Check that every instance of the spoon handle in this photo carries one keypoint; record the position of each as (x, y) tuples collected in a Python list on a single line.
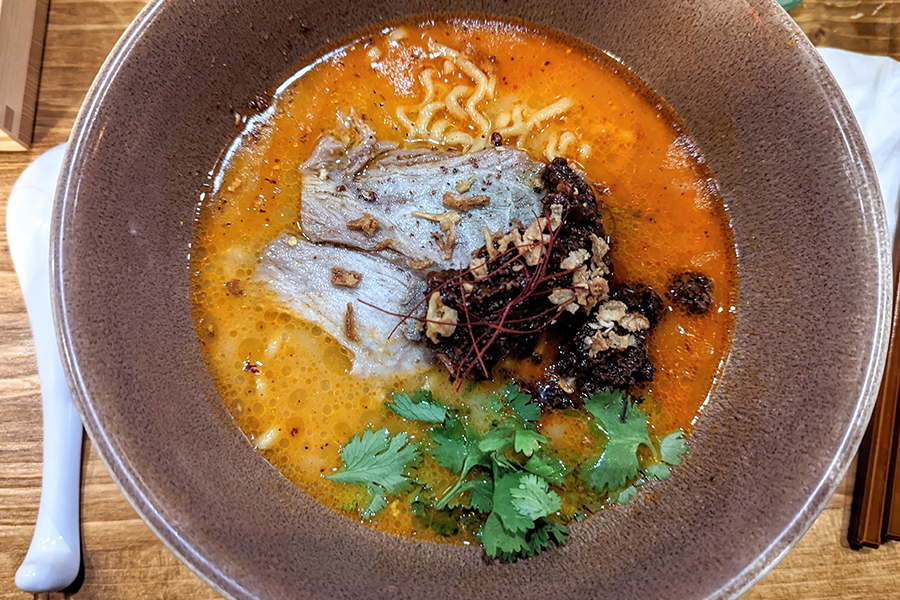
[(54, 556)]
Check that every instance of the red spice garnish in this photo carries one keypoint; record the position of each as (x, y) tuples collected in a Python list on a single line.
[(498, 322)]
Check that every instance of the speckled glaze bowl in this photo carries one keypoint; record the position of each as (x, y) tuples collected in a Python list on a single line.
[(781, 427)]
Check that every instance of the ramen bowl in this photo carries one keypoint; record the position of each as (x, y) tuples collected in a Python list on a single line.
[(781, 425)]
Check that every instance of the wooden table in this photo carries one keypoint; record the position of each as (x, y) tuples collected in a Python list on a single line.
[(122, 558)]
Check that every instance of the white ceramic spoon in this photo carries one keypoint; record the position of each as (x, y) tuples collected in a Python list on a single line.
[(54, 557)]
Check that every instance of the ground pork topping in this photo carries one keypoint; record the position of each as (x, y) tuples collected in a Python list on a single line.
[(691, 292), (550, 274)]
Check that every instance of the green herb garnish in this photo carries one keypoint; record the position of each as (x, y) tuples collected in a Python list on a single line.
[(421, 407), (509, 486), (377, 461), (625, 428)]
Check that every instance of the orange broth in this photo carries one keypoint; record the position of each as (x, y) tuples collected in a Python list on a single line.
[(663, 216)]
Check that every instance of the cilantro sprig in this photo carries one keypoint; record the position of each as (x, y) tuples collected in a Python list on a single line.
[(625, 428), (457, 447), (377, 461), (617, 469)]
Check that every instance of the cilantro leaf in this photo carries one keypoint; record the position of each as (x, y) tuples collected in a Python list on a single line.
[(375, 459), (550, 468), (499, 439), (557, 532), (521, 403), (658, 471), (625, 495), (504, 476), (377, 502), (599, 402), (509, 546), (440, 521), (586, 500), (368, 501), (613, 469), (527, 441), (481, 494), (504, 503), (457, 448), (672, 448), (421, 407), (499, 541), (496, 407), (547, 530), (626, 431), (452, 443), (533, 497)]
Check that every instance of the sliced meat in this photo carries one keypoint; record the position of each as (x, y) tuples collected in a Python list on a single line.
[(300, 273), (342, 183)]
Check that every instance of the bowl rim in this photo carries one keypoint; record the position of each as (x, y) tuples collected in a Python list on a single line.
[(846, 451), (77, 154)]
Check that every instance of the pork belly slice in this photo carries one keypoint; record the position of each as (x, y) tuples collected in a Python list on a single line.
[(342, 184), (301, 274)]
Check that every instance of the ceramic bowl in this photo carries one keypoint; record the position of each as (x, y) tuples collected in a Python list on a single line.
[(780, 429)]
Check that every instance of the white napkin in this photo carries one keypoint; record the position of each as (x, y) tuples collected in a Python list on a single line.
[(871, 85)]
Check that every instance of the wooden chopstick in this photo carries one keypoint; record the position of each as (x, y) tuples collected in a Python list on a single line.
[(878, 452), (891, 522), (891, 530)]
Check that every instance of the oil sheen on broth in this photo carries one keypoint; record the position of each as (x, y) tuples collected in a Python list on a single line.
[(285, 380)]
